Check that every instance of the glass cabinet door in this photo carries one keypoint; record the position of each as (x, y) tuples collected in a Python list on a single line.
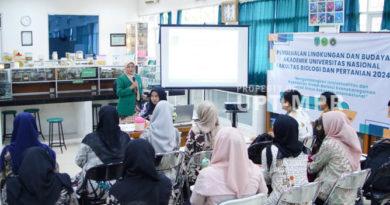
[(5, 84)]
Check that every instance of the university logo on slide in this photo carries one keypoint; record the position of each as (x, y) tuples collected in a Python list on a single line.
[(332, 41), (324, 41), (317, 41)]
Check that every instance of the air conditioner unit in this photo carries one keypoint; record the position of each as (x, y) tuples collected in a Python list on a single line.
[(151, 1)]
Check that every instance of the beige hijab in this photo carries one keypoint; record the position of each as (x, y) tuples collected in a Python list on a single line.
[(207, 118)]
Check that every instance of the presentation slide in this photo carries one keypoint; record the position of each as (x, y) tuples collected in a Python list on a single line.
[(204, 56)]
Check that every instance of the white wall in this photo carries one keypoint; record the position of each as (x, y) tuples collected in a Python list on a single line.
[(172, 5), (113, 15)]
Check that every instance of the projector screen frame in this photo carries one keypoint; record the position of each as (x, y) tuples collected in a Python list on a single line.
[(201, 25)]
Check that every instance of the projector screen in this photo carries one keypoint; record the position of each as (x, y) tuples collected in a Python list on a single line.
[(198, 56)]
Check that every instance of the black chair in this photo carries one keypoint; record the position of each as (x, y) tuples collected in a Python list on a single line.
[(376, 189), (103, 175)]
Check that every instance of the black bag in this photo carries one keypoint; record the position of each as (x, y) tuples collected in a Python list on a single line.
[(318, 135), (378, 160), (255, 149)]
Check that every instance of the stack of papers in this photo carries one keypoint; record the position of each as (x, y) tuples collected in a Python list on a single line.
[(127, 127)]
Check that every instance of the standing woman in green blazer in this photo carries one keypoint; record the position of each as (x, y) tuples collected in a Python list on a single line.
[(128, 90)]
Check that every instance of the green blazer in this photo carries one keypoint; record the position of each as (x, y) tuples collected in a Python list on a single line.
[(127, 97)]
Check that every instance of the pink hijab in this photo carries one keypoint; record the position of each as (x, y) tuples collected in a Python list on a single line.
[(338, 127), (230, 171)]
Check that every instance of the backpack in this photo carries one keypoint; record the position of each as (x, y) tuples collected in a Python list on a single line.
[(378, 160), (255, 149)]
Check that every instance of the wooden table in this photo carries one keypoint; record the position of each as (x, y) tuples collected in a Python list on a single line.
[(185, 129)]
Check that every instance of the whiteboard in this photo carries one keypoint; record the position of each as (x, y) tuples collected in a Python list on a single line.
[(200, 56)]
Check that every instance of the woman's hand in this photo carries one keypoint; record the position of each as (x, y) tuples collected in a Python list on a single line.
[(147, 123), (134, 85)]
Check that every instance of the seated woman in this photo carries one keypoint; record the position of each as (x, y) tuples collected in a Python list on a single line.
[(339, 153), (284, 162), (231, 174), (106, 145), (161, 133), (141, 184), (157, 94), (24, 136), (38, 183), (291, 101), (202, 134)]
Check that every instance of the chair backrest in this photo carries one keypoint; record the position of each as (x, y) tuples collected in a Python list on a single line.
[(169, 160), (354, 180), (105, 172), (306, 193), (258, 199), (197, 158), (351, 181)]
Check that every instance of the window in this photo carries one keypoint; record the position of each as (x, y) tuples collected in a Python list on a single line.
[(371, 14), (153, 21), (204, 15), (70, 33)]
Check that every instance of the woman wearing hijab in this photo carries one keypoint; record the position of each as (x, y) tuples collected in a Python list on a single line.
[(156, 95), (37, 182), (231, 174), (129, 90), (141, 184), (161, 133), (339, 153), (106, 145), (284, 162), (202, 134), (24, 136)]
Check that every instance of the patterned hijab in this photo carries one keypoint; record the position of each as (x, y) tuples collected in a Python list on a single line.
[(208, 118)]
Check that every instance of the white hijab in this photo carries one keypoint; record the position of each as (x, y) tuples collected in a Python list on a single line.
[(161, 133)]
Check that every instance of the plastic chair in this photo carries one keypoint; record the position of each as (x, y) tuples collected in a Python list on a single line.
[(170, 164), (102, 175), (305, 194), (352, 181), (258, 199)]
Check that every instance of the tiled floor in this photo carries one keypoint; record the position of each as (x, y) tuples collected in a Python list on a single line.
[(66, 160)]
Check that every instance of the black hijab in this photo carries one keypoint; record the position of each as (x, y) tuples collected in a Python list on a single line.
[(286, 137), (37, 183), (150, 106), (140, 177), (108, 142)]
